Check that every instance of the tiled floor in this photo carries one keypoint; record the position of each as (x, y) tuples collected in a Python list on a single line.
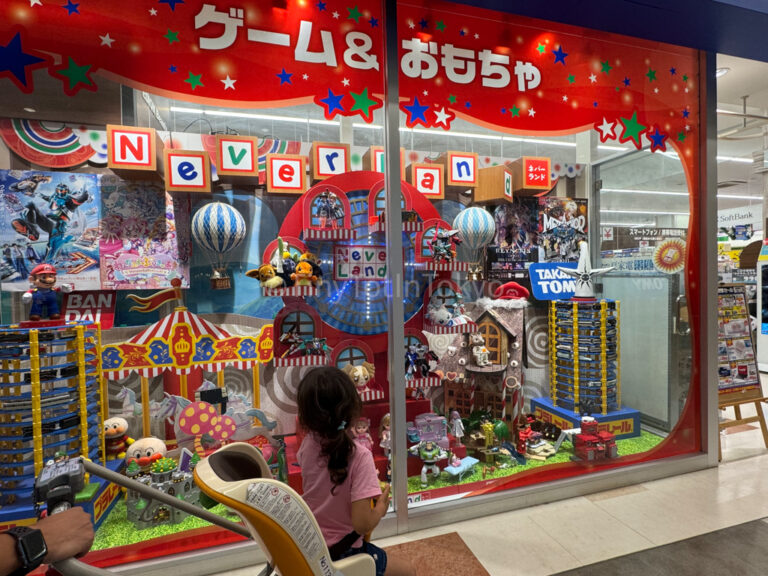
[(554, 537)]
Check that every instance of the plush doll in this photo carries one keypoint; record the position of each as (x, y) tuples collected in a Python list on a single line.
[(116, 438)]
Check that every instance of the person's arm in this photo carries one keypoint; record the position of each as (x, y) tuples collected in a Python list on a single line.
[(366, 517), (66, 534)]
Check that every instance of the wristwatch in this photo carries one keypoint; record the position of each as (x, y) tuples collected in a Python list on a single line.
[(30, 547)]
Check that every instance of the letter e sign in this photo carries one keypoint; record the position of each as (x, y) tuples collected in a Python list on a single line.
[(187, 171), (286, 173)]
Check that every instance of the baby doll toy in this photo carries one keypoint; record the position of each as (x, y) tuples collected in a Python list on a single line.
[(360, 433), (360, 375), (116, 438), (145, 451), (385, 434), (44, 296)]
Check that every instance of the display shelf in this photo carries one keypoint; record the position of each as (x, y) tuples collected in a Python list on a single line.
[(372, 395), (428, 382), (381, 227), (308, 360), (329, 235), (446, 266), (292, 291), (466, 328), (492, 369)]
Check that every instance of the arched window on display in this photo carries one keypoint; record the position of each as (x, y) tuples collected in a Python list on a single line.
[(419, 360), (327, 214), (355, 358), (444, 309), (377, 215)]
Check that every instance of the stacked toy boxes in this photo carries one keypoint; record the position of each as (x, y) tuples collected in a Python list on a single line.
[(584, 355)]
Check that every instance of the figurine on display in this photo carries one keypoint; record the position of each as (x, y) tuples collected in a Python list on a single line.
[(360, 375), (417, 359), (44, 295), (479, 352), (443, 245), (360, 433), (447, 315), (304, 276), (429, 453), (299, 345), (145, 451), (329, 210), (267, 276), (490, 437), (314, 261), (385, 434), (116, 438), (457, 427)]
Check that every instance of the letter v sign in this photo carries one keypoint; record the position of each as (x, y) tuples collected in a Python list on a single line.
[(236, 158)]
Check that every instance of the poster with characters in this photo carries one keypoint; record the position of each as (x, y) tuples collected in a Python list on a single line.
[(516, 241), (145, 236), (52, 218), (562, 225)]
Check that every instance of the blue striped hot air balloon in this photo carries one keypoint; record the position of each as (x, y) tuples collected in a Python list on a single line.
[(218, 229), (476, 229)]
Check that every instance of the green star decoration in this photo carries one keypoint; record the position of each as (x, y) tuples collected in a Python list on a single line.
[(354, 14), (362, 103), (515, 111), (452, 99), (632, 129), (76, 74), (571, 79), (440, 25), (681, 137), (194, 80), (606, 67), (171, 36), (651, 75), (541, 48)]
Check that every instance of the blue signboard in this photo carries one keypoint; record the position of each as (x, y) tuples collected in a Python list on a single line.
[(549, 283)]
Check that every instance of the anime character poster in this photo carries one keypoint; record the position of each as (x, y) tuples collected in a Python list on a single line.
[(562, 225), (516, 241), (53, 218), (145, 236)]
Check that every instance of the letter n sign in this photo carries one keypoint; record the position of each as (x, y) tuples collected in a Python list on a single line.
[(187, 171), (237, 156), (130, 148), (428, 179), (286, 173), (328, 159), (462, 169)]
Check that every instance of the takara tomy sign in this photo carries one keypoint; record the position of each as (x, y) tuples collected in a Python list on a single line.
[(549, 283)]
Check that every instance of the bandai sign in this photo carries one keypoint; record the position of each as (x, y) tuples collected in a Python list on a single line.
[(90, 306)]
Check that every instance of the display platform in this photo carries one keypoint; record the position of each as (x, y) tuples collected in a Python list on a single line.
[(623, 423)]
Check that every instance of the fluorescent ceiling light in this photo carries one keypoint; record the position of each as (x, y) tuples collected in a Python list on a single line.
[(251, 116), (734, 159), (644, 212), (720, 72), (739, 197), (651, 192), (629, 224)]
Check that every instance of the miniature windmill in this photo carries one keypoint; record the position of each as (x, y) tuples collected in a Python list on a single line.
[(584, 274)]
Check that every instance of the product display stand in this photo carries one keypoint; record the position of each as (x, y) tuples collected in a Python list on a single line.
[(738, 380)]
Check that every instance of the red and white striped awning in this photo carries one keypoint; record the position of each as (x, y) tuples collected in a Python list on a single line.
[(428, 382), (329, 234), (162, 328), (466, 328), (308, 360)]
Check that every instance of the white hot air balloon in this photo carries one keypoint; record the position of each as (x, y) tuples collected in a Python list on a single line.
[(218, 229)]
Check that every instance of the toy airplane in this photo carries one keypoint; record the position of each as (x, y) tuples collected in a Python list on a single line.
[(584, 274)]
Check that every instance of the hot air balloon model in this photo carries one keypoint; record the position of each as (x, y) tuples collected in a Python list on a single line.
[(218, 229), (477, 228)]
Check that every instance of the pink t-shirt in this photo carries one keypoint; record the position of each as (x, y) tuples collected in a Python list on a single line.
[(334, 511)]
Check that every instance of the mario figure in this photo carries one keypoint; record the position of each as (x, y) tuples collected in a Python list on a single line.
[(43, 296)]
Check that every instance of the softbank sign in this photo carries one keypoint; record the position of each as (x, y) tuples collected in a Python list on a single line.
[(549, 283), (741, 217)]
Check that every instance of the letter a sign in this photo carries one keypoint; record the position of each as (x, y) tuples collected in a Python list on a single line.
[(428, 179)]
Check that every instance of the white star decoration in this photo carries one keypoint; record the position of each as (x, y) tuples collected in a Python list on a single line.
[(106, 40), (305, 76), (229, 83), (592, 78), (531, 112), (152, 12), (411, 25), (425, 93), (335, 15), (441, 117), (33, 3), (565, 98), (345, 82), (606, 130), (477, 36), (655, 90)]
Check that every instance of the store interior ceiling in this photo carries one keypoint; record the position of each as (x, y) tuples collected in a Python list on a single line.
[(742, 120)]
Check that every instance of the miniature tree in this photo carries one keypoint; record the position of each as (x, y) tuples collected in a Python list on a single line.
[(501, 430), (133, 469)]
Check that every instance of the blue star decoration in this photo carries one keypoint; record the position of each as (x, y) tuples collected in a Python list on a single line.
[(626, 81), (657, 139), (71, 8), (374, 22), (686, 113), (14, 63), (321, 6), (332, 104), (171, 3), (415, 113), (560, 55), (673, 71), (423, 23), (462, 32), (503, 110), (594, 104), (285, 77), (172, 69), (467, 104)]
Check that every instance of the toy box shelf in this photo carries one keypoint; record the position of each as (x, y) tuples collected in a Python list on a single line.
[(381, 227), (428, 382), (466, 328), (329, 235), (309, 360), (292, 291)]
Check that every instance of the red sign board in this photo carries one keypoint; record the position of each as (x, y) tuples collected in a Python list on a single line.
[(266, 343), (90, 306), (537, 173)]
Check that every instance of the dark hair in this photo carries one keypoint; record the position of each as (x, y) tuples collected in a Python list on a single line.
[(328, 404)]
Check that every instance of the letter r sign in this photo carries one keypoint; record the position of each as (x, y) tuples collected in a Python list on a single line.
[(329, 159)]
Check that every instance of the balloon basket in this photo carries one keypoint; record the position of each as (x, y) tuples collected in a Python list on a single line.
[(221, 283), (475, 274)]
